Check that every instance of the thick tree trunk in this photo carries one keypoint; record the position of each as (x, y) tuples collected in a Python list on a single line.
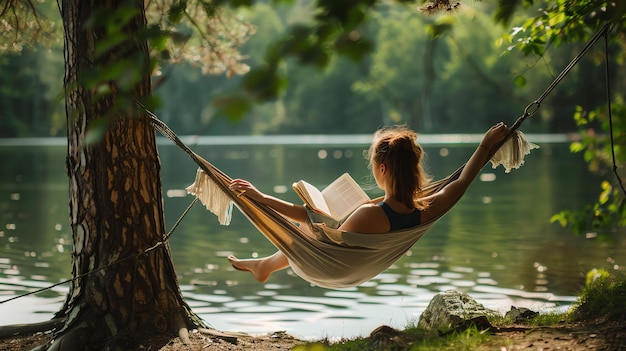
[(116, 207)]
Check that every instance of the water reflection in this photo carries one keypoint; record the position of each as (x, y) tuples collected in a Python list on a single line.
[(496, 244)]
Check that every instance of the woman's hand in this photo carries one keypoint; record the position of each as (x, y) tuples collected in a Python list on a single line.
[(242, 186), (494, 135)]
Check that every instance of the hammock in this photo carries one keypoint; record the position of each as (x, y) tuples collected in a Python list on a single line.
[(319, 254)]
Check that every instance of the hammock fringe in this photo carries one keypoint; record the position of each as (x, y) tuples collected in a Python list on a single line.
[(212, 197), (511, 154)]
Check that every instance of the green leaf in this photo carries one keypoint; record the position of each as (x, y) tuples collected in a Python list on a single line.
[(109, 42), (560, 218), (95, 130), (232, 106), (176, 12), (156, 37), (121, 17), (576, 147), (520, 81), (606, 192), (505, 10), (355, 50), (441, 28), (263, 83)]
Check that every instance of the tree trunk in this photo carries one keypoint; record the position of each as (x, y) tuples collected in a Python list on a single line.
[(116, 205)]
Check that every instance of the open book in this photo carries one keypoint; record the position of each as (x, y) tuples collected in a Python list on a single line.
[(337, 200)]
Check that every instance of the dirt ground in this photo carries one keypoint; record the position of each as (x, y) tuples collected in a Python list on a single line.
[(566, 336)]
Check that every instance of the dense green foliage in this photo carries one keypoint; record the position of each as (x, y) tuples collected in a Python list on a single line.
[(602, 131)]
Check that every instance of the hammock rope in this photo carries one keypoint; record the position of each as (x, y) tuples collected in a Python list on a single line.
[(609, 108), (534, 106)]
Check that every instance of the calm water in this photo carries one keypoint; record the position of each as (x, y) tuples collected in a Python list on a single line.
[(497, 244)]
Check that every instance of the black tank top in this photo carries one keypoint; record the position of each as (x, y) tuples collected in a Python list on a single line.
[(401, 220)]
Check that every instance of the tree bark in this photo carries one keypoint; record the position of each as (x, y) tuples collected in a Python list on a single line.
[(116, 205)]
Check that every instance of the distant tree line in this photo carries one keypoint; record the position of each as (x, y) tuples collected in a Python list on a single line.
[(426, 71)]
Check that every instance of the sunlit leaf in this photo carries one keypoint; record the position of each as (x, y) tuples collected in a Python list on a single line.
[(520, 81), (606, 192), (576, 147), (560, 218)]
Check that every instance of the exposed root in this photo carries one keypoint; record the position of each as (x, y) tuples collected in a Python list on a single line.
[(73, 339), (228, 337), (30, 328), (183, 334)]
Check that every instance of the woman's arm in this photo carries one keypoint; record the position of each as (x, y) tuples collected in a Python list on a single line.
[(294, 212), (440, 201)]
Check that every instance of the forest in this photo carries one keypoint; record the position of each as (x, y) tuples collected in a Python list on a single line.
[(427, 71)]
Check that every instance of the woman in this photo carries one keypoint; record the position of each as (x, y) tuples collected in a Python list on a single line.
[(395, 158)]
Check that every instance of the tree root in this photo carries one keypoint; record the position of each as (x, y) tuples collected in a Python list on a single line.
[(7, 331), (228, 337), (183, 334)]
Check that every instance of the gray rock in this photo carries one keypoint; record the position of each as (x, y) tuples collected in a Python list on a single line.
[(454, 311), (520, 314)]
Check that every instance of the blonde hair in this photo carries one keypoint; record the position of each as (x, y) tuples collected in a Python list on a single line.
[(397, 148)]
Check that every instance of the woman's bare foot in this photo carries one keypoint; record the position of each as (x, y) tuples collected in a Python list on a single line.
[(252, 265)]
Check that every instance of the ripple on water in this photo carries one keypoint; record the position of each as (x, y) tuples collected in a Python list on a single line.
[(452, 275), (260, 309), (423, 271), (324, 301), (463, 283), (426, 281), (344, 294)]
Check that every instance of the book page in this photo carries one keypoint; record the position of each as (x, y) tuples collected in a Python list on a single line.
[(312, 197), (343, 196)]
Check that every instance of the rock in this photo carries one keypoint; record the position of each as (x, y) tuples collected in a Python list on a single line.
[(454, 311), (520, 315)]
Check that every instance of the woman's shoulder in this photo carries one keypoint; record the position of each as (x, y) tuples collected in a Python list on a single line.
[(366, 210), (368, 218)]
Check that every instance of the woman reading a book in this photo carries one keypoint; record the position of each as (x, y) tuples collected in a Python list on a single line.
[(395, 158)]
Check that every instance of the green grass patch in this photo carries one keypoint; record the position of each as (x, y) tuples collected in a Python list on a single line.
[(603, 297), (550, 318), (414, 339)]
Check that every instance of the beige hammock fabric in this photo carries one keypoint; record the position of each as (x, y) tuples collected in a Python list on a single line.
[(322, 255)]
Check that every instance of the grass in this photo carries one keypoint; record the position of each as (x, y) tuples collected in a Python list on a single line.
[(603, 298), (416, 339)]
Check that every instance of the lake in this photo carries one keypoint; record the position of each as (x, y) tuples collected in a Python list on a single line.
[(496, 244)]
